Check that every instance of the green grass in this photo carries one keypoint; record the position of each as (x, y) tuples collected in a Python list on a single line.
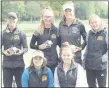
[(29, 27)]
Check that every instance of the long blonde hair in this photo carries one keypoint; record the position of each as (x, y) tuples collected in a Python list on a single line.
[(41, 24)]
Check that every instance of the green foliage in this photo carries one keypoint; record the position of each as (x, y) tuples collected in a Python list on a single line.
[(7, 7), (21, 9), (84, 9), (101, 10), (31, 10)]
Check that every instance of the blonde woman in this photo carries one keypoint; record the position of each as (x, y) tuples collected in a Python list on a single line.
[(71, 30), (68, 73), (46, 37), (37, 74), (96, 56)]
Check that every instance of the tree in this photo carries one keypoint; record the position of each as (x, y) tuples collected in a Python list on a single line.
[(21, 10), (101, 9), (7, 7), (84, 9), (33, 10), (90, 9), (57, 6)]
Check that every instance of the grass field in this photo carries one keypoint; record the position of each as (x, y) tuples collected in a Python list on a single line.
[(29, 27)]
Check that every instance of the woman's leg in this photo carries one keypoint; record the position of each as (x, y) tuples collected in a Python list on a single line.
[(18, 74), (91, 78), (101, 77), (7, 77)]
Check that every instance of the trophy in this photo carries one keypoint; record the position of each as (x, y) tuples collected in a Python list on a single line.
[(13, 50), (49, 43)]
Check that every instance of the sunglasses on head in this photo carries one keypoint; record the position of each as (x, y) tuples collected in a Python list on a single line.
[(37, 58), (11, 18), (68, 10)]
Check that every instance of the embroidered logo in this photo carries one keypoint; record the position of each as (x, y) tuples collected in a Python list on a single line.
[(75, 30), (16, 37), (44, 77), (100, 38), (53, 36)]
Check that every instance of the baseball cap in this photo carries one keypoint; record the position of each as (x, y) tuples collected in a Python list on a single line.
[(68, 6), (38, 53), (12, 14)]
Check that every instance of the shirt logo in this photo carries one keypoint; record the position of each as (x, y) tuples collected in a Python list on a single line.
[(53, 36), (16, 37), (75, 30), (100, 38), (44, 77)]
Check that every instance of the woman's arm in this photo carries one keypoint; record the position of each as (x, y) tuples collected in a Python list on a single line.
[(105, 56), (24, 42), (84, 34), (58, 38), (25, 78), (86, 51), (50, 78), (33, 41)]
